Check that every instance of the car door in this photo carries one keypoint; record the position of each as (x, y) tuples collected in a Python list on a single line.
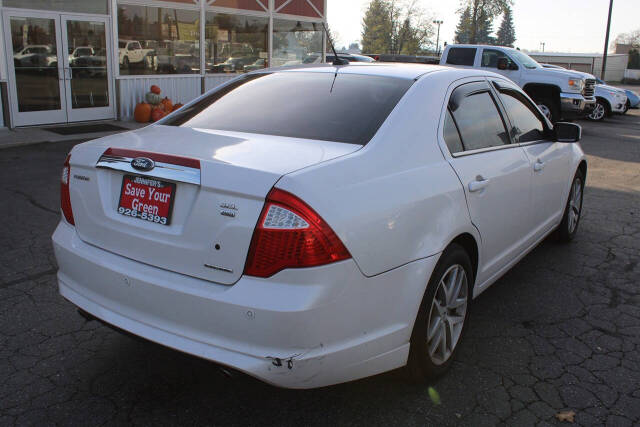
[(489, 61), (549, 160), (495, 174)]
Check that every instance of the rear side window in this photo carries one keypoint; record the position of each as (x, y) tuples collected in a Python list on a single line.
[(526, 124), (451, 135), (461, 56), (322, 106), (478, 119)]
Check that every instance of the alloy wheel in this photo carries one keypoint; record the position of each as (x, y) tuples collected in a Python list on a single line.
[(575, 205), (598, 112), (447, 314)]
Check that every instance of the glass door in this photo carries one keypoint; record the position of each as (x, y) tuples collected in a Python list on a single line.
[(60, 70), (37, 91), (87, 74)]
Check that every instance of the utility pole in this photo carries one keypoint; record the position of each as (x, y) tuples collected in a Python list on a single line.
[(438, 23), (543, 44), (606, 42)]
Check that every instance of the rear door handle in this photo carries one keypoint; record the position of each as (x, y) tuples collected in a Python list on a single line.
[(479, 184), (538, 166)]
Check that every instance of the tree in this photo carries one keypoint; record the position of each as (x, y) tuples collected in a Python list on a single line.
[(507, 31), (485, 28), (463, 30), (376, 28), (481, 14), (396, 27)]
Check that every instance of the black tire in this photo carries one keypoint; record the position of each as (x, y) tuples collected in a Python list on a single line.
[(626, 107), (567, 230), (420, 365), (549, 108), (601, 111), (125, 62)]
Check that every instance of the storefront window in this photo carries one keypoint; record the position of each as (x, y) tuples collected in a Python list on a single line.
[(83, 6), (158, 40), (235, 43), (296, 42)]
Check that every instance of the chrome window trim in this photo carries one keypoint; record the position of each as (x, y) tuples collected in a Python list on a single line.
[(484, 150), (162, 170)]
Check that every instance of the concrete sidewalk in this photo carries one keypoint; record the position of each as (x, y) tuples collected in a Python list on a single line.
[(37, 135)]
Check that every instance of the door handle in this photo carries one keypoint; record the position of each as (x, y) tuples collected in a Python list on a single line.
[(538, 166), (479, 184)]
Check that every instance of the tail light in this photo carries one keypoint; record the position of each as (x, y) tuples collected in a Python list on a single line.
[(65, 198), (290, 234)]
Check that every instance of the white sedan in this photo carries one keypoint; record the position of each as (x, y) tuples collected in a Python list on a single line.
[(320, 224)]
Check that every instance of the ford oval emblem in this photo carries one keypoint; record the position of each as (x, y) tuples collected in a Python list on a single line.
[(142, 164)]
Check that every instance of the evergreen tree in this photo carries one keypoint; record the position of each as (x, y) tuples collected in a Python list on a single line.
[(463, 30), (484, 29), (507, 31), (376, 28)]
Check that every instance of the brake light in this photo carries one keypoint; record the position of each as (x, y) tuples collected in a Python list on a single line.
[(65, 198), (290, 234)]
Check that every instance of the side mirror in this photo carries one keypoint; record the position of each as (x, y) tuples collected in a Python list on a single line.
[(567, 132), (503, 63)]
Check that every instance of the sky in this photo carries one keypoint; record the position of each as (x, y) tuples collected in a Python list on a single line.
[(576, 26)]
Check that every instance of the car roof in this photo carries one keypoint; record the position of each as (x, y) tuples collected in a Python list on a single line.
[(385, 69)]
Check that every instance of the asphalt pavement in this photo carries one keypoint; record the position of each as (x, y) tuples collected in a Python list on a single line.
[(559, 333)]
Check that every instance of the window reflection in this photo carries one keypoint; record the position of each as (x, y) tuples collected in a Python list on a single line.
[(235, 43), (158, 40), (36, 63), (296, 42)]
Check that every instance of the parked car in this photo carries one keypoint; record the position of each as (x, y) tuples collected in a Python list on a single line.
[(233, 65), (609, 99), (130, 52), (80, 52), (633, 99), (35, 56), (300, 244), (258, 65), (559, 93)]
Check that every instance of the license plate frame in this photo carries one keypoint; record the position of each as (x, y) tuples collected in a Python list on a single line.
[(147, 214)]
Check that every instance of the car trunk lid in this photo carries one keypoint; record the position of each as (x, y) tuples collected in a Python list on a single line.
[(220, 181)]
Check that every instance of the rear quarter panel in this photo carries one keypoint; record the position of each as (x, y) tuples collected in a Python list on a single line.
[(396, 200)]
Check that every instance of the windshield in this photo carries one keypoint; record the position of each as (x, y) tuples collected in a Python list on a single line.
[(524, 59), (322, 106)]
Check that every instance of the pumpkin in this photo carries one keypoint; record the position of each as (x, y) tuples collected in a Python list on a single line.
[(142, 113), (155, 89), (157, 114), (177, 106), (153, 98), (168, 104)]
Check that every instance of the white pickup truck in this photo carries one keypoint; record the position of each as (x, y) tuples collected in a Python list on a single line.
[(560, 94)]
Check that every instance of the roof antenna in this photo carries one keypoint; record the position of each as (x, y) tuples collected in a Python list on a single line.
[(337, 60)]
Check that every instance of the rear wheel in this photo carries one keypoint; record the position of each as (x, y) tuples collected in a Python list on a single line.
[(442, 316), (600, 111), (572, 212)]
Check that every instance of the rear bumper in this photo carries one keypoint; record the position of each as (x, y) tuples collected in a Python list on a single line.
[(299, 329), (574, 105)]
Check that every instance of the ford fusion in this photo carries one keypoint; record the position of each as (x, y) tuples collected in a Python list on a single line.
[(315, 225)]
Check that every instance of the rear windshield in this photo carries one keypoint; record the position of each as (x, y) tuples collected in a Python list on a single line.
[(322, 106), (461, 56)]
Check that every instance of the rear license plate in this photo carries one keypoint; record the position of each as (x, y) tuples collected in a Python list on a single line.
[(148, 199)]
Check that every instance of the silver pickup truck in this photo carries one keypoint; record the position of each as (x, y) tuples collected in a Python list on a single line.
[(560, 94)]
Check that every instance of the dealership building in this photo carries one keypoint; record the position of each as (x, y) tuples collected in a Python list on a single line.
[(587, 62), (65, 61)]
